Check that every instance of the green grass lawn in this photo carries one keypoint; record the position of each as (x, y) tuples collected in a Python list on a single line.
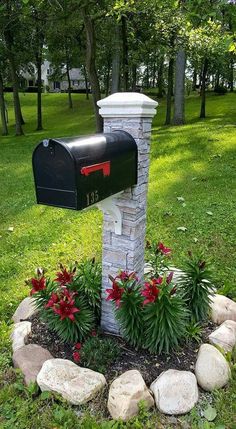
[(195, 161)]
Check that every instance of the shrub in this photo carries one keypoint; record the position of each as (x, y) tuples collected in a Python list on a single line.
[(158, 257), (164, 315), (220, 90), (62, 305), (195, 286), (98, 353), (126, 295)]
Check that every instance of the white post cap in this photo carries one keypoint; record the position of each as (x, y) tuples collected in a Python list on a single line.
[(127, 104)]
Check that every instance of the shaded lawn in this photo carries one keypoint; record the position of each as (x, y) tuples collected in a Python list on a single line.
[(196, 161)]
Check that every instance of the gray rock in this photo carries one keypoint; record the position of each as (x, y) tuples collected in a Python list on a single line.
[(30, 359), (19, 334), (175, 392), (224, 336), (125, 394), (77, 385), (25, 310), (212, 370), (222, 309)]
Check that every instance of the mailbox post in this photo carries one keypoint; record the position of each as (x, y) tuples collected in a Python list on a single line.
[(133, 113)]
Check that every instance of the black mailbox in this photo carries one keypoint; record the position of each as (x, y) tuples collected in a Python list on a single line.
[(78, 172)]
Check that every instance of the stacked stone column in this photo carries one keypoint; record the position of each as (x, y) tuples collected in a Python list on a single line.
[(131, 112)]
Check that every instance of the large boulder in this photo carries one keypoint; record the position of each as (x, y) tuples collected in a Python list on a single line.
[(175, 392), (30, 359), (25, 310), (224, 336), (75, 384), (19, 334), (222, 309), (125, 394), (212, 370)]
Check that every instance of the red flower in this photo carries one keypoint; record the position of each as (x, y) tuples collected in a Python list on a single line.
[(65, 307), (76, 356), (125, 276), (64, 277), (162, 249), (173, 290), (115, 294), (169, 278), (52, 301), (38, 284), (93, 333), (78, 346), (151, 290)]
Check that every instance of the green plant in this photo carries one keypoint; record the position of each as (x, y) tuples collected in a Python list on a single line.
[(193, 332), (164, 315), (128, 301), (65, 310), (98, 353), (195, 286), (157, 256), (88, 281), (228, 289)]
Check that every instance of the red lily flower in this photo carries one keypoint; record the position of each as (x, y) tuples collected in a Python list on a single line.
[(162, 249), (115, 294), (65, 307), (64, 277), (54, 298), (125, 276), (76, 356), (38, 284), (151, 291), (93, 333), (78, 346)]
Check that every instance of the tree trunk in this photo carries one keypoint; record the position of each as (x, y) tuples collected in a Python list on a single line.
[(91, 65), (169, 90), (116, 61), (194, 84), (160, 80), (39, 93), (3, 109), (125, 54), (203, 89), (70, 104), (179, 88), (134, 77), (17, 109), (107, 83), (86, 83)]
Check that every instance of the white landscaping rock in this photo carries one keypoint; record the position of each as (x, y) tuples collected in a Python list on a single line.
[(125, 394), (224, 336), (77, 385), (25, 310), (175, 392), (20, 332), (212, 370), (222, 309)]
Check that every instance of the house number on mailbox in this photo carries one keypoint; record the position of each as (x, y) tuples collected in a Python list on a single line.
[(92, 198)]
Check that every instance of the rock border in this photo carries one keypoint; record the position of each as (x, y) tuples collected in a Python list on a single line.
[(79, 385)]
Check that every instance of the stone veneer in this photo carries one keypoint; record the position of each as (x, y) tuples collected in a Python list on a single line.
[(133, 113)]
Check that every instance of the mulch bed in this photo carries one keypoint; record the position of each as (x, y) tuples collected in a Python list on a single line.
[(150, 366)]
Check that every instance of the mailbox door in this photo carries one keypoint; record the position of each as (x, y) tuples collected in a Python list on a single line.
[(110, 166), (54, 174)]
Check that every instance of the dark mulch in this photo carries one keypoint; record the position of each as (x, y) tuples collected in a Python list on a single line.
[(149, 365)]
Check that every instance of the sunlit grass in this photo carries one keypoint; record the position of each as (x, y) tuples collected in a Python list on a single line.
[(196, 161)]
